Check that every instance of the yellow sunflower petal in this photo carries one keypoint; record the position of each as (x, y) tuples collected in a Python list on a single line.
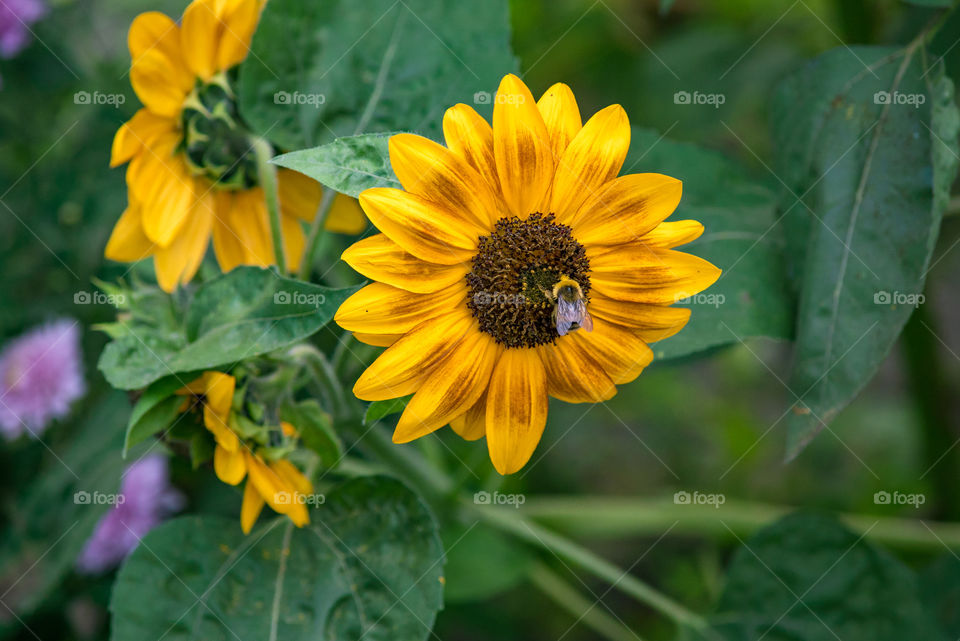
[(230, 467), (218, 400), (127, 242), (299, 195), (420, 226), (239, 25), (652, 322), (141, 130), (468, 135), (226, 243), (522, 148), (401, 369), (516, 409), (294, 240), (377, 340), (593, 158), (277, 494), (200, 37), (251, 508), (381, 259), (673, 233), (620, 352), (572, 375), (292, 476), (643, 274), (248, 220), (178, 263), (345, 216), (560, 112), (451, 388), (383, 309), (434, 172), (165, 190), (161, 85), (153, 30), (626, 208), (472, 425)]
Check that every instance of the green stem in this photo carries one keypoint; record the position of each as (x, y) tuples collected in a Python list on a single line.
[(267, 174), (508, 520), (596, 516), (316, 232), (585, 610)]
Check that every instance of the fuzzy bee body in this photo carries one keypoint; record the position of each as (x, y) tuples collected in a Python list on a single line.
[(570, 313)]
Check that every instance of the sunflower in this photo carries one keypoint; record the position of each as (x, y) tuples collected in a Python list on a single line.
[(515, 265), (277, 483), (192, 174)]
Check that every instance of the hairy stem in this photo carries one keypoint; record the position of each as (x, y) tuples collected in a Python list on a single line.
[(267, 174)]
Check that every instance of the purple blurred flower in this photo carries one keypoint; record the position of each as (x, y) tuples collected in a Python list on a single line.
[(16, 16), (147, 500), (40, 376)]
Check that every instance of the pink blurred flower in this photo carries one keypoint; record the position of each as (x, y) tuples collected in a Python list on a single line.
[(41, 375), (147, 500), (16, 16)]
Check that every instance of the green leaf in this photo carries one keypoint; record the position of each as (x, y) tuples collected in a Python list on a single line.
[(808, 577), (665, 6), (242, 314), (740, 237), (322, 70), (155, 411), (316, 430), (368, 566), (379, 409), (348, 165), (857, 146), (945, 4), (482, 563)]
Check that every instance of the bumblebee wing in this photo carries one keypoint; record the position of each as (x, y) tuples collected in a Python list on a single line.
[(566, 315), (586, 320)]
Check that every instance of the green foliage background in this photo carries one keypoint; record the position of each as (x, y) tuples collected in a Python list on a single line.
[(715, 415)]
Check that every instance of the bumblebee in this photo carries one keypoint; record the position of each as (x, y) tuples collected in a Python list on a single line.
[(570, 310)]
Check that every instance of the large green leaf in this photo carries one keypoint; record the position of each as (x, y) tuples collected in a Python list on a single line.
[(740, 237), (860, 148), (368, 566), (808, 577), (320, 70), (348, 165), (245, 313)]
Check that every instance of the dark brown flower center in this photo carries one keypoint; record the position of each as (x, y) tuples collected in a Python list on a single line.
[(514, 271)]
